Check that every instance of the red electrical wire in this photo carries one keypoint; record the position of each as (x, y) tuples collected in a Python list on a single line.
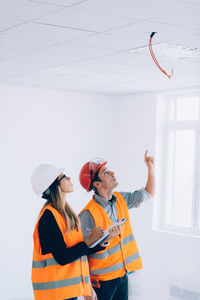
[(155, 60)]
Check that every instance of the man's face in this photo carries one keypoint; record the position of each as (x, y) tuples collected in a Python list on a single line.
[(108, 179)]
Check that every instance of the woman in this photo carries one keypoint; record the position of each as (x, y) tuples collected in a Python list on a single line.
[(60, 268)]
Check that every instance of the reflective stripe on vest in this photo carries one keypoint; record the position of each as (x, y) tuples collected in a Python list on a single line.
[(132, 258), (115, 267), (107, 270), (51, 262), (60, 283), (114, 249)]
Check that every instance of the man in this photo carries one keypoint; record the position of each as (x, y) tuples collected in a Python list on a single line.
[(109, 268)]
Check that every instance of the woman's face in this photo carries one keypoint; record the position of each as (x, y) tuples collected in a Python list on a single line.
[(65, 184)]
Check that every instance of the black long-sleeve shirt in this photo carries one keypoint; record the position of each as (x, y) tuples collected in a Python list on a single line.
[(51, 241)]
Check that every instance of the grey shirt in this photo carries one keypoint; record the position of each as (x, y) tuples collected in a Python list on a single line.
[(132, 199)]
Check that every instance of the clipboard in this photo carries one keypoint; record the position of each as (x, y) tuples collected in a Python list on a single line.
[(106, 232)]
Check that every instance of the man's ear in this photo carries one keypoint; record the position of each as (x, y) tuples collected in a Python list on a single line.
[(96, 184)]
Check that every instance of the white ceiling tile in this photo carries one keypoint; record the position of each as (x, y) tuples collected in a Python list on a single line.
[(96, 65), (187, 68), (70, 71), (118, 89), (45, 77), (126, 59), (142, 30), (44, 58), (61, 54), (24, 10), (189, 1), (185, 18), (190, 41), (111, 78), (90, 81), (115, 62), (86, 20), (22, 43), (46, 34), (6, 53), (186, 71), (63, 3), (110, 41), (133, 74), (41, 79), (8, 23), (34, 36), (17, 81), (68, 54), (68, 49), (139, 9), (14, 67)]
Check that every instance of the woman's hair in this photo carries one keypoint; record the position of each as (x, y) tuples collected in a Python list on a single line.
[(53, 197)]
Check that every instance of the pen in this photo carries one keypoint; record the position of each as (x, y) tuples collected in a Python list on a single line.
[(89, 229)]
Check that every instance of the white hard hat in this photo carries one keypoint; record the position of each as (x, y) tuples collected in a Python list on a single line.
[(43, 176)]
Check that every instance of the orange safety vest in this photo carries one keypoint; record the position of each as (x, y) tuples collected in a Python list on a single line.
[(121, 254), (52, 281)]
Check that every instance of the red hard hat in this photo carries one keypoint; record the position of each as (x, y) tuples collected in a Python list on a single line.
[(88, 171)]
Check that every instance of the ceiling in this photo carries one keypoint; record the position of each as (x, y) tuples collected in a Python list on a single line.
[(84, 45)]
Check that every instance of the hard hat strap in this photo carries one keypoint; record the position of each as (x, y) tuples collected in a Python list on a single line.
[(56, 182)]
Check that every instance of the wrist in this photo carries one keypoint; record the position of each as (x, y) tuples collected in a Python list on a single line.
[(88, 242), (151, 169)]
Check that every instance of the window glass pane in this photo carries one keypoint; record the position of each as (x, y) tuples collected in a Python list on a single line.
[(187, 108), (171, 107), (169, 177), (180, 178), (198, 219), (198, 213)]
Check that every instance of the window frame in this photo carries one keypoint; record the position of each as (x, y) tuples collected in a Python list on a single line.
[(164, 127)]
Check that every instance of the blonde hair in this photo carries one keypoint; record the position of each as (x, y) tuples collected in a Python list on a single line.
[(71, 219)]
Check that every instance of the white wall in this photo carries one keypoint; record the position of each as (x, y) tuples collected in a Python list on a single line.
[(42, 126), (68, 129), (162, 253)]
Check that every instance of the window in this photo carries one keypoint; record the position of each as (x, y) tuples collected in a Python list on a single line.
[(178, 148)]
